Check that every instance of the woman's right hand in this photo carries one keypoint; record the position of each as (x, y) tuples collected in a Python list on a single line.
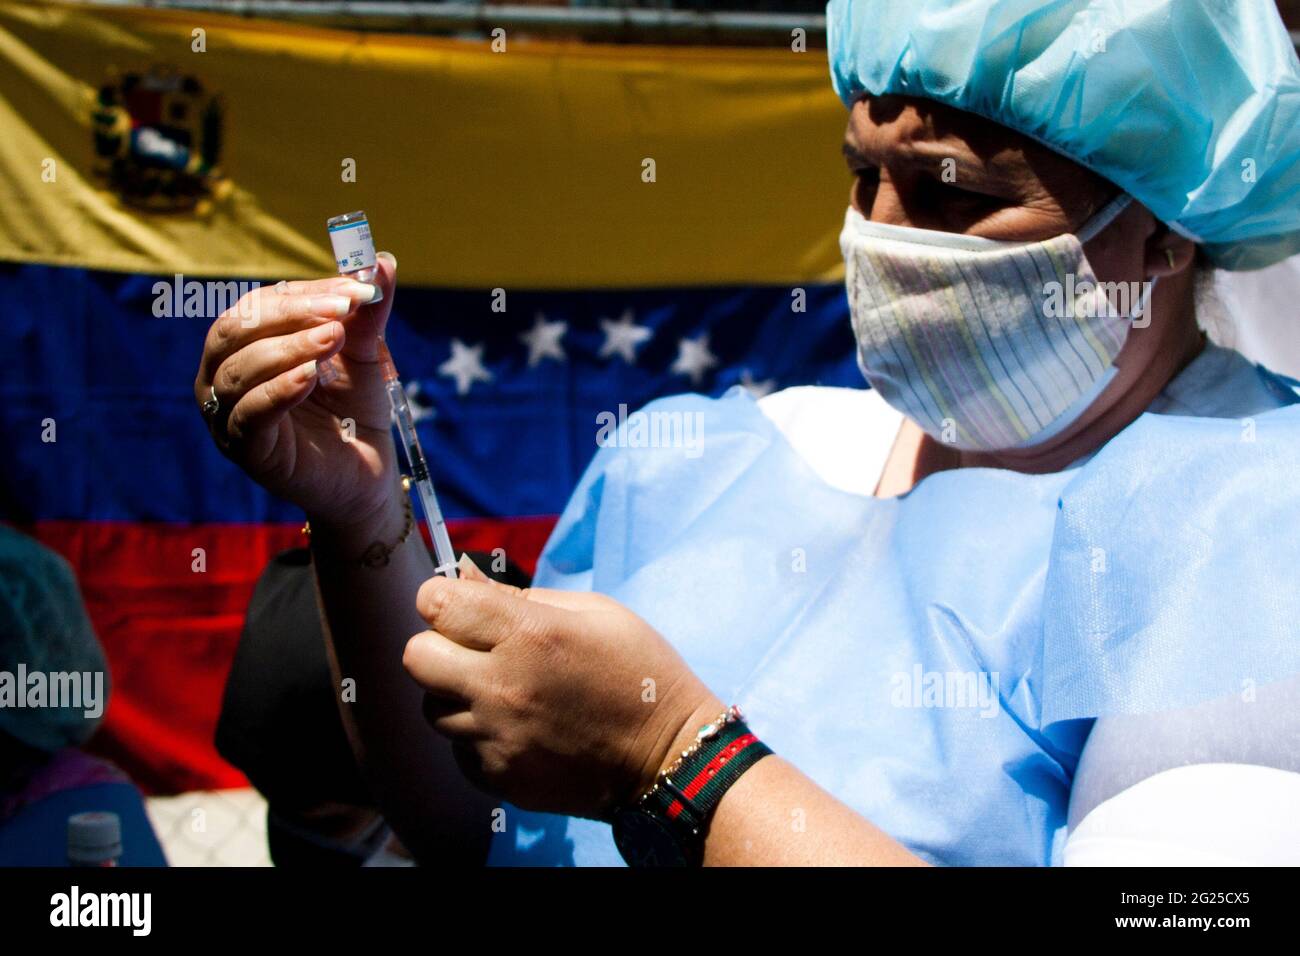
[(326, 446)]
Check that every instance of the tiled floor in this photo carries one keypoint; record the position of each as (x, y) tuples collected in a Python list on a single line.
[(211, 828)]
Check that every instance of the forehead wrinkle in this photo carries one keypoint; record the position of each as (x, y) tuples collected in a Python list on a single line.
[(929, 153), (882, 146), (987, 158), (923, 134)]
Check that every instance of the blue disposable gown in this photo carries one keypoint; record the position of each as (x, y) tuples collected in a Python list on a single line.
[(1159, 573)]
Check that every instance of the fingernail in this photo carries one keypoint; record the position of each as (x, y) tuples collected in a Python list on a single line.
[(328, 371), (391, 258), (306, 371), (467, 567), (361, 290), (335, 305), (369, 294), (323, 335)]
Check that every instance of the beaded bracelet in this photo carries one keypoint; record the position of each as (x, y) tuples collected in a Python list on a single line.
[(379, 554)]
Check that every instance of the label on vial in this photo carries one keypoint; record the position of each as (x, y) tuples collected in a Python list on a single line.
[(353, 247)]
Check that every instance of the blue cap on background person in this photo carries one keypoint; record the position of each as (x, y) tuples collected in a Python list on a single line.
[(44, 630), (1190, 106)]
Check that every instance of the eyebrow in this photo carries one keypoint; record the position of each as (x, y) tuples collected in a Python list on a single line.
[(931, 154), (968, 168), (853, 156)]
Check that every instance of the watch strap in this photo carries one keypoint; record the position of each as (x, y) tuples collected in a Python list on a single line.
[(685, 796)]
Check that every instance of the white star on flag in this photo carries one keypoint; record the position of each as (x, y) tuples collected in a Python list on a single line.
[(465, 366), (757, 389), (419, 410), (623, 337), (694, 358), (543, 340)]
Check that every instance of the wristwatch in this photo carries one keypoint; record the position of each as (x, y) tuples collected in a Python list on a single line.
[(666, 825)]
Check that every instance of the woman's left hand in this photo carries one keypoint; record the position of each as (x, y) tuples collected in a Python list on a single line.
[(558, 701)]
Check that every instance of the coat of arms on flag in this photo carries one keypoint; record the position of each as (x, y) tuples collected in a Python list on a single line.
[(157, 140)]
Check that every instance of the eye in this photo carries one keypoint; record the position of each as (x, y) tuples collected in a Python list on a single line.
[(950, 185), (858, 164), (866, 183), (955, 194)]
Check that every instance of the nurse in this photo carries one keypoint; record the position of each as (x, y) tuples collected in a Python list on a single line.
[(1011, 605)]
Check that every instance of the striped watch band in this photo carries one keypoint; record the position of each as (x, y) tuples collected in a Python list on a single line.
[(687, 792)]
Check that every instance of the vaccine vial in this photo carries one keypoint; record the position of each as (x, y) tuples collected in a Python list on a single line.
[(354, 247), (94, 839), (354, 254)]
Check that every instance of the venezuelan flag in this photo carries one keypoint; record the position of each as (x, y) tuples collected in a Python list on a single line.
[(578, 227)]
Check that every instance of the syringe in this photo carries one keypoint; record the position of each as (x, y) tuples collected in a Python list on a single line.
[(415, 462)]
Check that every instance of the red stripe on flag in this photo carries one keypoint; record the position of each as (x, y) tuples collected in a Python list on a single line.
[(170, 632)]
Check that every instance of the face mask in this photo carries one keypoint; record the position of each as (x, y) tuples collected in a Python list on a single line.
[(986, 345)]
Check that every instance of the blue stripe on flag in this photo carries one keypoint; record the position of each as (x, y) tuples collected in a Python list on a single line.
[(86, 350)]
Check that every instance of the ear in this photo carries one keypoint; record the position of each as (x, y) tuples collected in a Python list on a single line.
[(1168, 253)]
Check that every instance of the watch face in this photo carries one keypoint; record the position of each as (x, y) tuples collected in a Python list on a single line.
[(646, 841)]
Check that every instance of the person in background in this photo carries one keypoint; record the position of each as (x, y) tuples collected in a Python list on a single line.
[(280, 725), (45, 776)]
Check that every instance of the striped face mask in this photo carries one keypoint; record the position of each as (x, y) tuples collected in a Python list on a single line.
[(986, 345)]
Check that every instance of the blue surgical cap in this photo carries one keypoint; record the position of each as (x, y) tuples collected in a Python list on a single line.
[(1191, 106), (45, 636)]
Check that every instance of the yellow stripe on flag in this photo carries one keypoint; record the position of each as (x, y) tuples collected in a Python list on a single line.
[(478, 169)]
